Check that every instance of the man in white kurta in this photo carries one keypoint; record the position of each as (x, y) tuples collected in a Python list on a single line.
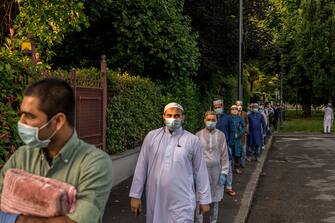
[(328, 118), (215, 151), (172, 167)]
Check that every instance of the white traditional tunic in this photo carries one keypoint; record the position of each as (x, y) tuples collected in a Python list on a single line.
[(328, 119), (171, 166), (215, 152)]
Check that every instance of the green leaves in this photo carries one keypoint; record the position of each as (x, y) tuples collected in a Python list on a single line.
[(308, 37), (135, 107), (14, 77), (48, 21), (154, 39)]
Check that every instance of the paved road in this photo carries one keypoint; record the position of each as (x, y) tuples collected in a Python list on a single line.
[(298, 181)]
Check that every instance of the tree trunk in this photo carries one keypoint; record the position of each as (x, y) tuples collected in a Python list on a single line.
[(251, 86), (306, 105)]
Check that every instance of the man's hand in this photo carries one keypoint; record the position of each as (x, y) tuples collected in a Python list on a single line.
[(222, 179), (135, 205), (203, 208)]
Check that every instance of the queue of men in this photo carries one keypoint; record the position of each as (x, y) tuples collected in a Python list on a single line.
[(183, 175)]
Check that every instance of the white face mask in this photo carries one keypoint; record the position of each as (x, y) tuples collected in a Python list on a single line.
[(234, 112), (210, 125), (218, 111), (172, 123), (29, 135)]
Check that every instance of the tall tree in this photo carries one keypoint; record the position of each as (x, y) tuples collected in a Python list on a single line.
[(46, 21), (308, 56), (217, 24), (148, 38)]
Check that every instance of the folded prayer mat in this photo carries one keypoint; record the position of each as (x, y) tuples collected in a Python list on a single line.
[(28, 194)]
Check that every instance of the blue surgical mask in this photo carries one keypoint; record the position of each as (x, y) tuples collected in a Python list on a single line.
[(255, 110), (172, 123), (29, 135), (218, 111), (234, 112), (210, 125)]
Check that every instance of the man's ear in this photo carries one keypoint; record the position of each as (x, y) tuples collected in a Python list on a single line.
[(60, 120)]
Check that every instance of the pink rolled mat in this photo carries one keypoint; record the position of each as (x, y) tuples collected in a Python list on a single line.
[(29, 194)]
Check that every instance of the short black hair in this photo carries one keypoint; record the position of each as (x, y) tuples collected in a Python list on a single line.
[(56, 96)]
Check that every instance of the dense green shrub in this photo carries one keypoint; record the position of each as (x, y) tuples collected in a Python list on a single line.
[(154, 38), (134, 108), (147, 38), (15, 74)]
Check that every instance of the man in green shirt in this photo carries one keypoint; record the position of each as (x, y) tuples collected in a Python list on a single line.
[(54, 150)]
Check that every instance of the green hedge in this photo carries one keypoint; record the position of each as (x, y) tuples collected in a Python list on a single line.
[(14, 73), (134, 108)]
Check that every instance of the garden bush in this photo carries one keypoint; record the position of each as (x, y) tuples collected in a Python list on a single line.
[(134, 107), (15, 74)]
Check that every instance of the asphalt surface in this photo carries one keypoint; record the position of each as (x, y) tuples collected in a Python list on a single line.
[(298, 181), (231, 209)]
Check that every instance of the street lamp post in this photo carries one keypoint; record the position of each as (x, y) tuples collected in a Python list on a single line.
[(281, 96), (240, 40)]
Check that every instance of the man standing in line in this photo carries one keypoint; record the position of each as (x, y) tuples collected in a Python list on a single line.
[(172, 167), (264, 128), (328, 119), (244, 116), (256, 125), (225, 125), (239, 129), (53, 150), (215, 152)]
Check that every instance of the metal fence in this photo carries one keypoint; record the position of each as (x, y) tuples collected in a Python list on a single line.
[(91, 104)]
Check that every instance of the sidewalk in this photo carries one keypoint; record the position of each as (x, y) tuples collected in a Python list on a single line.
[(232, 209)]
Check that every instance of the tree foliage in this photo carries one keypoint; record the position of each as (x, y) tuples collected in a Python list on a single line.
[(15, 74), (47, 21), (308, 47), (149, 38), (218, 24)]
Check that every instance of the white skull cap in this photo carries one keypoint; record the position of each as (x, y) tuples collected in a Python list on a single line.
[(219, 101), (233, 107), (173, 105), (239, 102)]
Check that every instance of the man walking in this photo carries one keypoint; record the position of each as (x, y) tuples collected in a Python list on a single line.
[(256, 125), (172, 167), (239, 129), (225, 125), (215, 152), (244, 116)]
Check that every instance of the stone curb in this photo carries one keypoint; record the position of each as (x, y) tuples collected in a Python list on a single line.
[(250, 189)]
